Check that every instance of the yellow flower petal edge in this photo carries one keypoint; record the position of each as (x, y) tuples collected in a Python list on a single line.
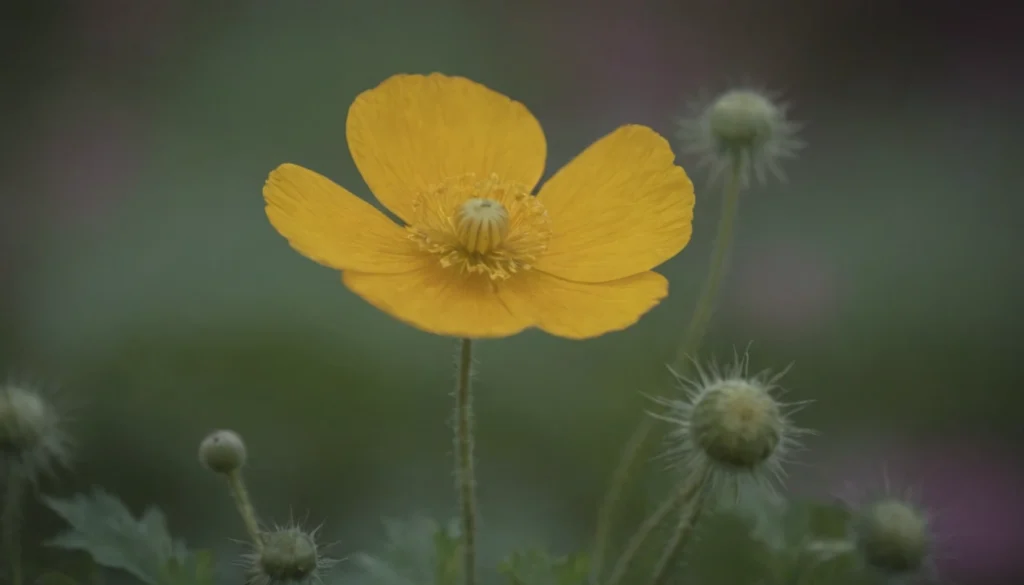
[(620, 208), (429, 299), (329, 225), (577, 310), (413, 132)]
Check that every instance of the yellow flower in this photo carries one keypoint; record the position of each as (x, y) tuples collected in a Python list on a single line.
[(478, 255)]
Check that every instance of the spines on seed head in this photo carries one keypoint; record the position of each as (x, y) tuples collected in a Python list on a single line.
[(731, 424), (289, 555), (744, 129)]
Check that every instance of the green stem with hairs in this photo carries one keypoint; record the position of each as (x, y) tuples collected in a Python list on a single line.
[(688, 490), (464, 472), (684, 528), (691, 341), (611, 499), (10, 519), (705, 307), (236, 483)]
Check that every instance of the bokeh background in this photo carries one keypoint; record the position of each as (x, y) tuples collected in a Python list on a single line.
[(140, 278)]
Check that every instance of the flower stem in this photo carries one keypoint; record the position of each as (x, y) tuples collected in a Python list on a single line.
[(10, 518), (684, 528), (705, 307), (684, 495), (236, 483), (691, 343), (611, 499), (464, 473)]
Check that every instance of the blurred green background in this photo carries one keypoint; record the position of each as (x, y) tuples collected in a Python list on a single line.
[(140, 278)]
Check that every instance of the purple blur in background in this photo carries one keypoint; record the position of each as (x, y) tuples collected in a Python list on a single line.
[(970, 487)]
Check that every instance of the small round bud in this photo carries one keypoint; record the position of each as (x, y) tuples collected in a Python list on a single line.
[(737, 423), (742, 119), (222, 452), (892, 536), (31, 433), (24, 420)]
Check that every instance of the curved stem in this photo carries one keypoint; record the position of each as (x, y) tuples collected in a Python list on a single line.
[(687, 491), (604, 518), (10, 519), (688, 347), (464, 472), (236, 483), (705, 307), (681, 535)]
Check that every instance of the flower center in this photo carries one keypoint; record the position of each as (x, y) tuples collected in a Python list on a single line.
[(481, 225)]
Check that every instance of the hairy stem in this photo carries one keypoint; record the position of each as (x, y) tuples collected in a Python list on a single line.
[(10, 519), (692, 338), (813, 553), (236, 483), (705, 306), (688, 490), (464, 472), (681, 534)]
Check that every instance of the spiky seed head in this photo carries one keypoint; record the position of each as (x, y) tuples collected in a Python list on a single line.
[(892, 536), (23, 420), (223, 451), (289, 555), (731, 425), (32, 436), (744, 130), (736, 422)]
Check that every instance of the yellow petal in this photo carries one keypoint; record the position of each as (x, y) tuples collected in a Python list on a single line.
[(620, 208), (578, 310), (326, 223), (414, 131), (439, 300)]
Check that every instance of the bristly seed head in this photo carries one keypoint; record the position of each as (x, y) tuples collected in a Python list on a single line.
[(737, 423), (891, 531), (892, 536), (741, 129), (731, 425), (289, 555), (742, 120), (32, 437)]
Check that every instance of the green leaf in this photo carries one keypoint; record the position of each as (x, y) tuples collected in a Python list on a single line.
[(724, 534), (102, 526), (448, 554), (419, 552), (827, 519), (537, 567), (196, 569)]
